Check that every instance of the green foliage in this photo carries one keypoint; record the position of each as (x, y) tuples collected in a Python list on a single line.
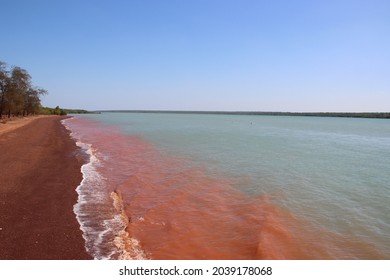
[(19, 97), (62, 112), (17, 94), (52, 111), (77, 111)]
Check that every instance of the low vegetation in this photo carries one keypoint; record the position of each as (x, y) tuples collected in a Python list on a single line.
[(62, 112), (52, 111)]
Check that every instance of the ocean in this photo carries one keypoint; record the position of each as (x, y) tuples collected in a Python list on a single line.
[(204, 186)]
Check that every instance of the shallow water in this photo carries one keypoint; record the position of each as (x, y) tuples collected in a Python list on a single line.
[(188, 186)]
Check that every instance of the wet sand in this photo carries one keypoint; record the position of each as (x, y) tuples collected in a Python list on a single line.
[(39, 173)]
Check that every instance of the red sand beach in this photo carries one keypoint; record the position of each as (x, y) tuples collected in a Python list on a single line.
[(39, 173)]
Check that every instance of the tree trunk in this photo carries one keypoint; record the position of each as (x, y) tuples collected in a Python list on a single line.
[(1, 105)]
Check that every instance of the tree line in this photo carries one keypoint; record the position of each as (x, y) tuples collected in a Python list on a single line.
[(18, 96)]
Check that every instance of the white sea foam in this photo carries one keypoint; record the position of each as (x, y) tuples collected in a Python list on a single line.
[(102, 224)]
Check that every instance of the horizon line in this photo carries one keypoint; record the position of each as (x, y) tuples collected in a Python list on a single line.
[(384, 115)]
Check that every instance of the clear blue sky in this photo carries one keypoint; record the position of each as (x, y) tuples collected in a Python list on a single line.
[(203, 54)]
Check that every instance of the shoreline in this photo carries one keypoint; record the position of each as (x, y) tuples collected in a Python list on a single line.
[(367, 115), (39, 175)]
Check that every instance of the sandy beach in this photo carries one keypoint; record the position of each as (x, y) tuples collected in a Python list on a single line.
[(39, 173)]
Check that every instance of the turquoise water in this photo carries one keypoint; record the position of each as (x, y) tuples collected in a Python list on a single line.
[(333, 174)]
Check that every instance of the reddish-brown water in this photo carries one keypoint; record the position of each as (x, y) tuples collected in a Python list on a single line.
[(158, 206)]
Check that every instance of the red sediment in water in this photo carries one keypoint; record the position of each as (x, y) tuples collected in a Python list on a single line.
[(197, 217), (176, 210)]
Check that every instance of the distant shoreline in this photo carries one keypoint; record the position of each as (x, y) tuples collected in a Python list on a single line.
[(371, 115)]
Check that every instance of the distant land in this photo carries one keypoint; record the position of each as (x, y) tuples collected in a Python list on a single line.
[(61, 111), (79, 111), (376, 115)]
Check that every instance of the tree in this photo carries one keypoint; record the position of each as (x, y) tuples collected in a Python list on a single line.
[(32, 102), (20, 85), (4, 81), (57, 110), (17, 95)]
